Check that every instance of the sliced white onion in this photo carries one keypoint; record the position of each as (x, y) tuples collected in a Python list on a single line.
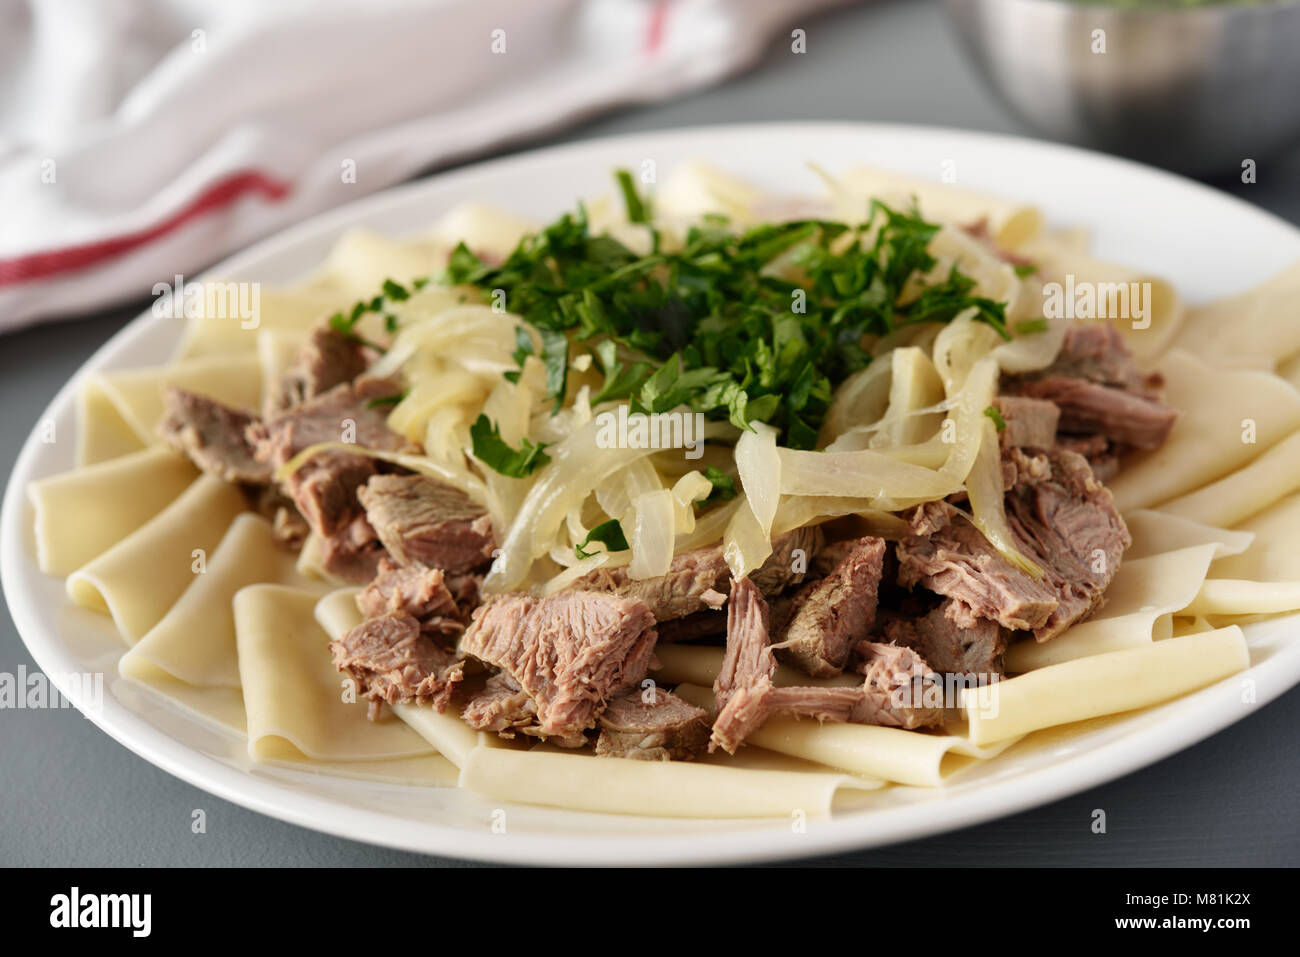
[(916, 400), (651, 534), (745, 545), (987, 501), (797, 512), (863, 474), (578, 465), (860, 400), (968, 417), (958, 347), (759, 467)]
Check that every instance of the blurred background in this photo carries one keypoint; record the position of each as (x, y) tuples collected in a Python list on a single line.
[(141, 138)]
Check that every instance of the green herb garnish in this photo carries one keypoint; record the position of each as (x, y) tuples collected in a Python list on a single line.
[(345, 324), (713, 327), (494, 452), (610, 534), (383, 400), (1025, 269), (993, 413), (724, 487), (637, 211), (1028, 327)]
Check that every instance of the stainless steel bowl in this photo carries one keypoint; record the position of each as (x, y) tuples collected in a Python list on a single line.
[(1198, 89)]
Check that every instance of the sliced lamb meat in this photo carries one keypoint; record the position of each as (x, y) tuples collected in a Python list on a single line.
[(465, 590), (1096, 352), (420, 520), (828, 615), (1062, 519), (571, 652), (745, 711), (1125, 418), (324, 487), (792, 555), (830, 555), (1030, 423), (748, 660), (352, 553), (417, 591), (502, 706), (1097, 449), (1086, 445), (343, 414), (1100, 391), (212, 435), (505, 709), (391, 660), (288, 528), (957, 560), (949, 648), (896, 693), (328, 358), (674, 595), (696, 579), (325, 490), (900, 687), (664, 728), (1069, 523)]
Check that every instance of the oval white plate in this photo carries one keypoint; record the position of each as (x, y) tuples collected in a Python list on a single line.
[(1153, 220)]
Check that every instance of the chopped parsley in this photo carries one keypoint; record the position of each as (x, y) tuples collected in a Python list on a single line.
[(637, 211), (1025, 269), (610, 534), (392, 291), (714, 326), (724, 487), (383, 400), (993, 413), (494, 452), (1026, 327)]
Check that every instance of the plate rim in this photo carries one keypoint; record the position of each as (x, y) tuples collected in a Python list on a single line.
[(847, 832)]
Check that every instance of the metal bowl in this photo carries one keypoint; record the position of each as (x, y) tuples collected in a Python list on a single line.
[(1198, 89)]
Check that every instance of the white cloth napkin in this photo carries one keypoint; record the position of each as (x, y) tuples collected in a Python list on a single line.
[(144, 138)]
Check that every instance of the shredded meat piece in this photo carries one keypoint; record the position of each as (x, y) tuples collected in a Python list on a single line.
[(1060, 517), (392, 660), (327, 359), (416, 591), (748, 658), (571, 652), (652, 725), (423, 521), (826, 616), (697, 580), (212, 436)]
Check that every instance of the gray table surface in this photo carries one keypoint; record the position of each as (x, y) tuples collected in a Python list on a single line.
[(71, 796)]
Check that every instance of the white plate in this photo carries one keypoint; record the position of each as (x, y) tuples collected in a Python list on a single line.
[(1207, 243)]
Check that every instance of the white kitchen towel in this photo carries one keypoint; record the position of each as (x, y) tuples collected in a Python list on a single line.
[(144, 138)]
